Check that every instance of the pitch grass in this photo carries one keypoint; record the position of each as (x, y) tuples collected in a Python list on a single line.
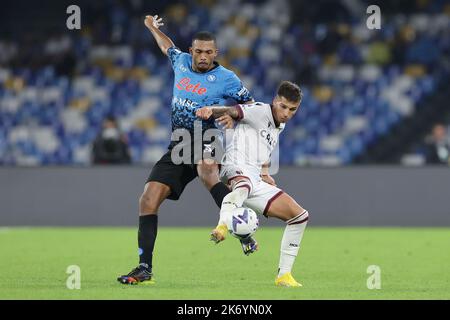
[(333, 262)]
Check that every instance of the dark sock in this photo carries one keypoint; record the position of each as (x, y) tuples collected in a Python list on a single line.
[(218, 192), (148, 228)]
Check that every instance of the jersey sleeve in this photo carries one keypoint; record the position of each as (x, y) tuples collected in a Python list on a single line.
[(254, 114), (235, 89), (174, 55)]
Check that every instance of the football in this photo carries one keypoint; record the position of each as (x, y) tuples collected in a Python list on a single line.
[(243, 223)]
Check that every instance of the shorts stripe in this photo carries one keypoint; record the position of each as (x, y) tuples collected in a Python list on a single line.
[(269, 203), (244, 186), (239, 176)]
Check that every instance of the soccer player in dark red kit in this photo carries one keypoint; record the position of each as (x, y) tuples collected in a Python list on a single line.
[(199, 81)]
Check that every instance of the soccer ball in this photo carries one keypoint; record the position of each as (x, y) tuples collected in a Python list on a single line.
[(243, 223)]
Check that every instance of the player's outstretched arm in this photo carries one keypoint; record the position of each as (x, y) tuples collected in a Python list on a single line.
[(153, 23), (216, 112)]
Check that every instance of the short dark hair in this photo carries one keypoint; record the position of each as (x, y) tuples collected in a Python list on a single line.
[(204, 36), (290, 91)]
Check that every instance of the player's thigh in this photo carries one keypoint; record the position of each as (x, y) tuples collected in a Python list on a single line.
[(208, 172), (284, 207), (230, 175), (175, 176), (261, 197), (271, 201)]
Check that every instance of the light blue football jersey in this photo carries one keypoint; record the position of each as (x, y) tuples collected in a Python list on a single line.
[(193, 90)]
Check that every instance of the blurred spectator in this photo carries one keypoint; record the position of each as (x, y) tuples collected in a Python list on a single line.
[(110, 146), (438, 146), (379, 53), (7, 51), (423, 51), (349, 52), (359, 83)]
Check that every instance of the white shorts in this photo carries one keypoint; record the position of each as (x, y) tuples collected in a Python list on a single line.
[(261, 195)]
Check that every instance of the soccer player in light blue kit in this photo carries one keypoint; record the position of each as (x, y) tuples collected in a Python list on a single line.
[(199, 81)]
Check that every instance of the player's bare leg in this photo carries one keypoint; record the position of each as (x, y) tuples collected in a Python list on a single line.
[(208, 172), (287, 209), (153, 196), (151, 199), (241, 187), (149, 202)]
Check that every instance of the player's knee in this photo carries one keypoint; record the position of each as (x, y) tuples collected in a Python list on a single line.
[(208, 167), (152, 197), (209, 173), (148, 204), (241, 183)]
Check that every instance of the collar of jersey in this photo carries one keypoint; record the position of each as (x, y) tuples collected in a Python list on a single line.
[(216, 65), (273, 119)]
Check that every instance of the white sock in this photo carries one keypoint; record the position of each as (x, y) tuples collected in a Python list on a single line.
[(290, 244), (234, 199)]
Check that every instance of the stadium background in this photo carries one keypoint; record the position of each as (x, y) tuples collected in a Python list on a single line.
[(357, 153), (370, 97)]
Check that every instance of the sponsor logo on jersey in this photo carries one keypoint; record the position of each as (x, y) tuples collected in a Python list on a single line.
[(183, 68), (211, 78), (266, 135), (186, 85), (184, 102)]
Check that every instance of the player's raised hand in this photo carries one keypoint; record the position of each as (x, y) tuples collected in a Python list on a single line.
[(226, 121), (204, 113), (153, 22)]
